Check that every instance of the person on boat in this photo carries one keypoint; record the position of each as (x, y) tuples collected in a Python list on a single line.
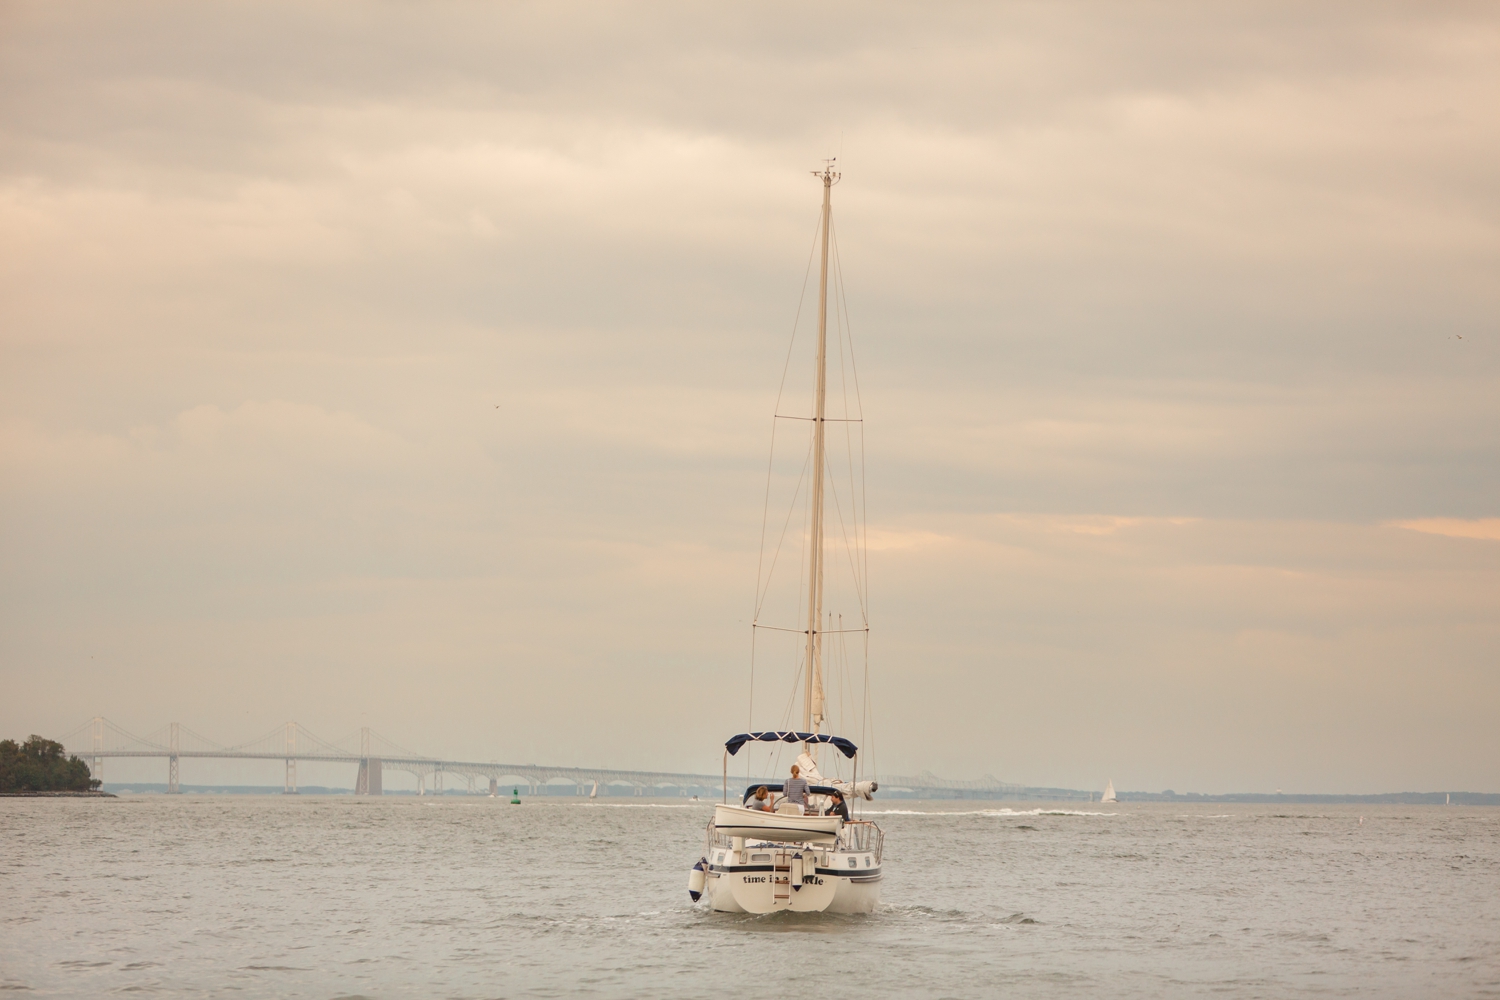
[(837, 806), (795, 789), (760, 801)]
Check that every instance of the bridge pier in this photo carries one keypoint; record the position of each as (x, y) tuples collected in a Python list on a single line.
[(369, 780), (96, 732), (494, 786), (172, 788), (291, 762)]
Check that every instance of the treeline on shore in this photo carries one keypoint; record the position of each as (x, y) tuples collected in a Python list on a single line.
[(41, 765)]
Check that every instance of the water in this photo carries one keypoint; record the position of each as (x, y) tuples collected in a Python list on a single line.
[(407, 897)]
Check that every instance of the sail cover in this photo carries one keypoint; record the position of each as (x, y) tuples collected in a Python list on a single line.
[(734, 743)]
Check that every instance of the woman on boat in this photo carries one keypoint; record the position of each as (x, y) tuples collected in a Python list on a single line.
[(761, 802)]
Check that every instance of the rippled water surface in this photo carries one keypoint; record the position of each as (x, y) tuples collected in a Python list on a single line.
[(408, 897)]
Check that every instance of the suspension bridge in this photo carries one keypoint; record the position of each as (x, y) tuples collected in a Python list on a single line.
[(99, 740)]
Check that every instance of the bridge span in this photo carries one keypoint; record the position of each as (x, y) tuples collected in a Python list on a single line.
[(99, 739)]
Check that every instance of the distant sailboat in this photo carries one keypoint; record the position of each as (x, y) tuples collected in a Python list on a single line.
[(1109, 792), (594, 792)]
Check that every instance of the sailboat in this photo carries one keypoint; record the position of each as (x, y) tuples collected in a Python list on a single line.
[(784, 855), (1109, 792)]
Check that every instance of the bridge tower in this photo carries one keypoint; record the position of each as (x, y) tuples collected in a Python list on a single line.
[(172, 788), (96, 731), (369, 781), (291, 761)]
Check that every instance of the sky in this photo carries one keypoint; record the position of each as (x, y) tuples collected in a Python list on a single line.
[(412, 366)]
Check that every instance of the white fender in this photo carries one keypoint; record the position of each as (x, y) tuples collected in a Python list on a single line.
[(796, 875), (695, 879)]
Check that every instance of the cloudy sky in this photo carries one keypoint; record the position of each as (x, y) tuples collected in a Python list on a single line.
[(411, 366)]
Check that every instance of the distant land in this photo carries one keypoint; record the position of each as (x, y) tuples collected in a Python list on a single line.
[(40, 766), (1017, 794), (1391, 798)]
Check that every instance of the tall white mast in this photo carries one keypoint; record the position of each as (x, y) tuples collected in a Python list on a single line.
[(812, 701)]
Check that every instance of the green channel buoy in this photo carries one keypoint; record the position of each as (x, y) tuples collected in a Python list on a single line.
[(515, 796)]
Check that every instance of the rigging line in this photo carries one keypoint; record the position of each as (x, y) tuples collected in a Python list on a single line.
[(844, 531), (857, 498), (843, 294), (859, 402), (806, 277), (848, 549), (803, 631), (750, 724), (869, 721), (803, 573), (859, 555), (765, 515), (844, 685), (780, 389), (786, 717), (801, 562), (826, 420), (761, 593), (771, 457)]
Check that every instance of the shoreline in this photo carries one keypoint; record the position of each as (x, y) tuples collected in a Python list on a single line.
[(58, 795)]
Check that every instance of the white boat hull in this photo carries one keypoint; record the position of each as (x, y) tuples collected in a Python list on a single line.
[(767, 862), (763, 889)]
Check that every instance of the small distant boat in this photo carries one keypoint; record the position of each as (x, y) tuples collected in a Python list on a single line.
[(594, 792), (1109, 792)]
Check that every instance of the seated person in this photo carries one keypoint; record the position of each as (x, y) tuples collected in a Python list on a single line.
[(837, 806), (795, 790), (760, 801)]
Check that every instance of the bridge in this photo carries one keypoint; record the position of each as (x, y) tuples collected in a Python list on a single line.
[(99, 739)]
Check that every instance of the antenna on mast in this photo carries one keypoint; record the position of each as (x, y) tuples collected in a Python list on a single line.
[(828, 175)]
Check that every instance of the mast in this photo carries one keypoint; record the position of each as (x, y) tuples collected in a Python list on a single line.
[(812, 701)]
